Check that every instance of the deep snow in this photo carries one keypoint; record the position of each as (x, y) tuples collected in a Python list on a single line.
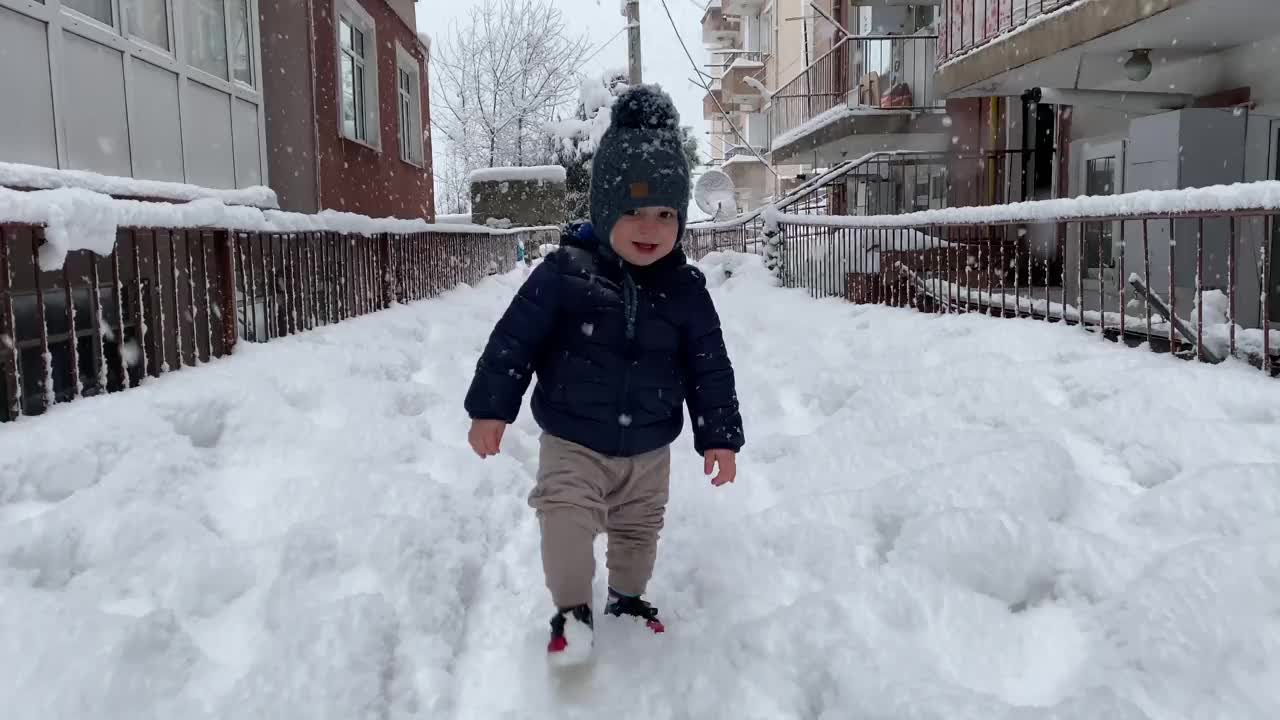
[(935, 517)]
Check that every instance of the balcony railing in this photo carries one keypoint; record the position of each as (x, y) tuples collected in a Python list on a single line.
[(969, 24), (878, 72), (1169, 271), (743, 150), (889, 183)]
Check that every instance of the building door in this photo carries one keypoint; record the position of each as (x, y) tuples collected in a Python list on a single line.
[(1103, 174), (1273, 249)]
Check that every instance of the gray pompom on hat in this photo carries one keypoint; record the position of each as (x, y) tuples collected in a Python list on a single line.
[(640, 161)]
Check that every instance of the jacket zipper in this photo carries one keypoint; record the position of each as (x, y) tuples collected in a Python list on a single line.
[(629, 309)]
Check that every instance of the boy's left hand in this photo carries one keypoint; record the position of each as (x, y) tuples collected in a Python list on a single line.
[(727, 461)]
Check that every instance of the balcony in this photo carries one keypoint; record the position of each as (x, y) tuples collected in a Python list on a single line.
[(970, 24), (741, 7), (1081, 43), (709, 109), (740, 83), (720, 30), (741, 153), (868, 86)]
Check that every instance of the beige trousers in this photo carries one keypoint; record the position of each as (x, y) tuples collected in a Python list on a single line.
[(581, 493)]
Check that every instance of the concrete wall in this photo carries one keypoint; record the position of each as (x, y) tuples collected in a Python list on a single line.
[(523, 202), (788, 45)]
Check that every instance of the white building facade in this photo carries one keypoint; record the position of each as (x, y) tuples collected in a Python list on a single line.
[(151, 89)]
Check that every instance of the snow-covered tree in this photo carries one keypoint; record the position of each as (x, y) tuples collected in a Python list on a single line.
[(572, 141), (501, 74)]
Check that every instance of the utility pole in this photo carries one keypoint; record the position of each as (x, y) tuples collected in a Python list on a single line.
[(631, 9)]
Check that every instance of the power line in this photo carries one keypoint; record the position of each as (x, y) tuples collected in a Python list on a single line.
[(694, 64), (601, 48)]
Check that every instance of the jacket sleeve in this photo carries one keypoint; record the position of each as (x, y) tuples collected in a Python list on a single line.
[(711, 393), (505, 369)]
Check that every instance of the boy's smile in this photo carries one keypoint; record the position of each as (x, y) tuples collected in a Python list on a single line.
[(645, 236)]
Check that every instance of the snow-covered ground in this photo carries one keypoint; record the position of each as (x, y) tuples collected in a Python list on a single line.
[(936, 518)]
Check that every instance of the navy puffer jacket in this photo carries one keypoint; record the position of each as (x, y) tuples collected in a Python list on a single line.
[(617, 349)]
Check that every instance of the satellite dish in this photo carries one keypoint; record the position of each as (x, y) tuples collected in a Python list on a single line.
[(714, 194)]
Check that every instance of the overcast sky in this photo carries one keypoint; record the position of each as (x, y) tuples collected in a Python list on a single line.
[(664, 62)]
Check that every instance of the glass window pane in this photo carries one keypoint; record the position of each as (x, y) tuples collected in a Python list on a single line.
[(99, 10), (148, 20), (357, 42), (348, 96), (344, 33), (207, 36), (241, 41), (359, 92)]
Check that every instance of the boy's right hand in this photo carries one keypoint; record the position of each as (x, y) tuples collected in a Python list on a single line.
[(486, 437)]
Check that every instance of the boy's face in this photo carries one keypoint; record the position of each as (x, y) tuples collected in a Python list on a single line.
[(645, 236)]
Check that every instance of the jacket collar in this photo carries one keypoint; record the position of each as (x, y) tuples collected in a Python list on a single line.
[(582, 235)]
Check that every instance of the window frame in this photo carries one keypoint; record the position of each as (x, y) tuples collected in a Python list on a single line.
[(367, 99), (171, 29), (409, 102)]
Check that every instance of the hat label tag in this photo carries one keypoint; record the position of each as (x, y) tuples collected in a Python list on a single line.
[(639, 190)]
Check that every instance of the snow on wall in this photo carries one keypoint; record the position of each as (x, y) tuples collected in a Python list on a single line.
[(458, 219), (34, 177), (538, 173), (77, 219)]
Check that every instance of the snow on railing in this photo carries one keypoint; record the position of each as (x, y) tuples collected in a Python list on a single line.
[(99, 294), (1120, 266)]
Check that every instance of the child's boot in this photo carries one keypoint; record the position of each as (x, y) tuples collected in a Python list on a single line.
[(634, 606), (571, 636)]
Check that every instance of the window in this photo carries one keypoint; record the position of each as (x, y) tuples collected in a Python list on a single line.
[(408, 87), (147, 20), (752, 34), (206, 22), (357, 74), (766, 33), (99, 10), (241, 41), (757, 130)]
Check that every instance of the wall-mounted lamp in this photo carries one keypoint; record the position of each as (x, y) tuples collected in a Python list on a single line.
[(1138, 66)]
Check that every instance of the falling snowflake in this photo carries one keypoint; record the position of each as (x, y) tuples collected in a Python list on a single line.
[(624, 420), (588, 329)]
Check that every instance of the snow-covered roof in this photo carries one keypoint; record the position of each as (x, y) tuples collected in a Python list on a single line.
[(78, 219), (34, 177), (538, 173)]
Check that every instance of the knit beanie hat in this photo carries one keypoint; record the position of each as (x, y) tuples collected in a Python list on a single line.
[(640, 161)]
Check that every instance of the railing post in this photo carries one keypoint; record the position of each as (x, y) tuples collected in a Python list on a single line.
[(226, 244), (9, 366), (388, 270)]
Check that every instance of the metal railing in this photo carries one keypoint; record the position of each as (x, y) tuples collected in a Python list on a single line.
[(1191, 283), (969, 24), (881, 72), (885, 183), (165, 299)]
